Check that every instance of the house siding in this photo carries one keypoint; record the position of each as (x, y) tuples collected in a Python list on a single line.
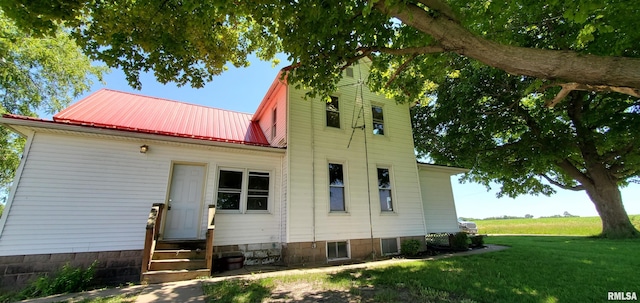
[(312, 145), (278, 100), (89, 193), (437, 198)]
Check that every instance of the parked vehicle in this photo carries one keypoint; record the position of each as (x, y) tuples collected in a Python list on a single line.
[(468, 227)]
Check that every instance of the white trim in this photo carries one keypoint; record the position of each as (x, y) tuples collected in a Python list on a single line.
[(16, 180), (442, 169)]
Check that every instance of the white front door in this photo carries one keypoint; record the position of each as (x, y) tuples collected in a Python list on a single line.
[(185, 200)]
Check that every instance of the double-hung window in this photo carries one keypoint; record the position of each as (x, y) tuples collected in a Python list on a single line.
[(378, 120), (336, 187), (243, 190), (384, 189), (229, 189), (333, 113)]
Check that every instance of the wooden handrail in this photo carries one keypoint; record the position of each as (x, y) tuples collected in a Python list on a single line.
[(210, 229), (154, 222)]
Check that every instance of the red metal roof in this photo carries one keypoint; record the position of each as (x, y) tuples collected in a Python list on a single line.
[(125, 111)]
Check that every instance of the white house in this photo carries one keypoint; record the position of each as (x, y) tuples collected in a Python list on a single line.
[(298, 182)]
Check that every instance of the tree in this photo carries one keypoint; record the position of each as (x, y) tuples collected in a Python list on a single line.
[(189, 41), (491, 122), (36, 74)]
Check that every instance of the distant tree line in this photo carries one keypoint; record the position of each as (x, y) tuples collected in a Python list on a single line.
[(566, 214)]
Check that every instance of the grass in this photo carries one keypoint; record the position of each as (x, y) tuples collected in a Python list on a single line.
[(578, 226), (534, 269)]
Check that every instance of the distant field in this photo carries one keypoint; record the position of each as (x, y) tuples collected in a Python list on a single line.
[(579, 226)]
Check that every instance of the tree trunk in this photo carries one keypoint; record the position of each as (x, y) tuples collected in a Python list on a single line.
[(606, 196)]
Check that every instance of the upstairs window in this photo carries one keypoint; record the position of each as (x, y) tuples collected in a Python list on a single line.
[(384, 189), (349, 72), (378, 120), (336, 187), (333, 113), (274, 119)]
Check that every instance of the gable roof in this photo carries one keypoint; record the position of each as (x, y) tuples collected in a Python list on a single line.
[(131, 112)]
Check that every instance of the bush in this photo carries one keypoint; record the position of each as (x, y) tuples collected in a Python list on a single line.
[(477, 241), (68, 279), (410, 247), (459, 241)]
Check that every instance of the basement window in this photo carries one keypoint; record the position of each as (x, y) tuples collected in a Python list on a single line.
[(389, 246), (337, 250)]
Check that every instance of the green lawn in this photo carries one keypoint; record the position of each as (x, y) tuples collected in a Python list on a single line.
[(579, 226), (534, 269)]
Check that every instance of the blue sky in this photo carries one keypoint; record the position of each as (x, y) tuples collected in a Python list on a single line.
[(242, 90)]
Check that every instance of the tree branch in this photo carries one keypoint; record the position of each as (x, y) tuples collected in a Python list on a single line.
[(440, 7), (575, 173), (569, 87), (563, 186), (400, 69), (566, 66), (418, 50)]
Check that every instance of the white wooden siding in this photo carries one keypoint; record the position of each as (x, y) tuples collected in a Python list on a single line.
[(437, 198), (278, 100), (312, 146), (83, 193)]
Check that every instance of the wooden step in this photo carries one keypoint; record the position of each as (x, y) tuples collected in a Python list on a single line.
[(178, 264), (181, 244), (179, 254), (162, 276)]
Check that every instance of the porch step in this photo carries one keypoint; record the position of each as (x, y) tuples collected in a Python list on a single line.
[(181, 244), (177, 260), (166, 254), (178, 264), (162, 276)]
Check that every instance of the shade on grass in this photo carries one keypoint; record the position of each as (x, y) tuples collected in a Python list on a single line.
[(534, 269)]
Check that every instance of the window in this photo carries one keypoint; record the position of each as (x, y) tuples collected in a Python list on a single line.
[(274, 120), (229, 189), (337, 250), (389, 246), (258, 196), (384, 189), (349, 72), (234, 195), (336, 187), (333, 113), (378, 120)]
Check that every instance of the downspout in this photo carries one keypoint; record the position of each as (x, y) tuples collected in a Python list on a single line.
[(313, 176), (366, 157)]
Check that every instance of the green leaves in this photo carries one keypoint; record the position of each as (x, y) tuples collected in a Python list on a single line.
[(494, 123), (37, 74)]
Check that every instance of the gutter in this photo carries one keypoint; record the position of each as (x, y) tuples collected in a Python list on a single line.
[(47, 124)]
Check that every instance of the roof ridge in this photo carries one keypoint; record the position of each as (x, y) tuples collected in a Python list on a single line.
[(171, 100)]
